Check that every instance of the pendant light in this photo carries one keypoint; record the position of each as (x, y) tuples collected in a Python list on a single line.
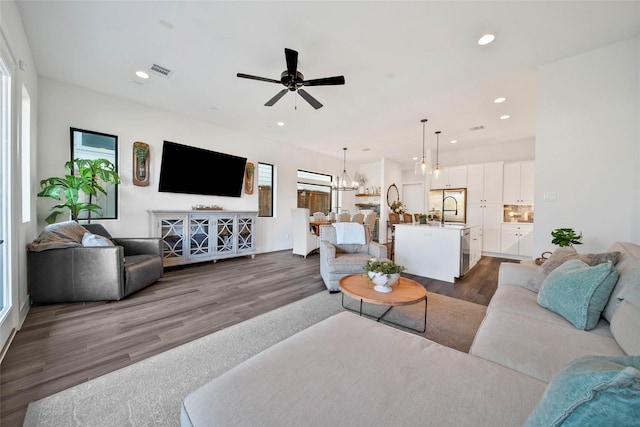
[(437, 169), (422, 167), (344, 183)]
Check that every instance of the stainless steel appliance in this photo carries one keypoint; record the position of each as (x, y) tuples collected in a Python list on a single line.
[(448, 204)]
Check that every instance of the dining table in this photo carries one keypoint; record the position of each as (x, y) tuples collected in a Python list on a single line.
[(315, 225)]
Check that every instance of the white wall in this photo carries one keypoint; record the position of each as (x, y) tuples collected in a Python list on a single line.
[(62, 106), (15, 45), (587, 147)]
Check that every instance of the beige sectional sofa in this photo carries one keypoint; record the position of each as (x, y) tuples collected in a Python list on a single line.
[(352, 371)]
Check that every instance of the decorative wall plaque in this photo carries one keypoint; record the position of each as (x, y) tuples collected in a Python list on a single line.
[(140, 164), (249, 173)]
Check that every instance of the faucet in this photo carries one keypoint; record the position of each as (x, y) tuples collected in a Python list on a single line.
[(450, 210)]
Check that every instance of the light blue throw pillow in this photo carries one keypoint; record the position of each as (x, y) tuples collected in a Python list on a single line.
[(578, 292), (591, 391)]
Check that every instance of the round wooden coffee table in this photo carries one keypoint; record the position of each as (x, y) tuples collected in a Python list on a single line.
[(405, 292)]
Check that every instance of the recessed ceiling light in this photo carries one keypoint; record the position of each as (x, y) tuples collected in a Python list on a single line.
[(280, 123), (414, 158), (505, 117), (499, 100), (453, 141), (142, 74), (486, 39)]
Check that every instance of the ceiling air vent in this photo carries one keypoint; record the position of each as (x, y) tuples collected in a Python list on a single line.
[(476, 128), (161, 70)]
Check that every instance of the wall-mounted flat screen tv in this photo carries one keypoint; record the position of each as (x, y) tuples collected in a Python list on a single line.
[(192, 170)]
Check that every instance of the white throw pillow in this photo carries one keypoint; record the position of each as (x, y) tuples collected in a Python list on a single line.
[(92, 240)]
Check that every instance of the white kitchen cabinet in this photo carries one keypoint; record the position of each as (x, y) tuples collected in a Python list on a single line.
[(519, 182), (517, 239), (485, 183), (194, 236), (450, 177), (475, 248), (489, 217)]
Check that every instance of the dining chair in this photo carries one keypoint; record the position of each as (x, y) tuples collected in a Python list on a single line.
[(319, 216), (407, 217), (344, 217), (357, 217), (370, 220), (305, 241)]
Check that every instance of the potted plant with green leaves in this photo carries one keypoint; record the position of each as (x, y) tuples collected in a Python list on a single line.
[(565, 237), (423, 218), (85, 177), (141, 153), (383, 273)]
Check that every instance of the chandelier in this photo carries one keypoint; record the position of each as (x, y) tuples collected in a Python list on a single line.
[(437, 169), (344, 183), (422, 167)]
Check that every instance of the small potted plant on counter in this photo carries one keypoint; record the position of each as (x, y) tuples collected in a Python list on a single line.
[(423, 218)]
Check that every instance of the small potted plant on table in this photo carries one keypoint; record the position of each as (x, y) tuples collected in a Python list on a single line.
[(383, 274)]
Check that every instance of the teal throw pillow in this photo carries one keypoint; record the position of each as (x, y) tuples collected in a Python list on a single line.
[(591, 391), (578, 292)]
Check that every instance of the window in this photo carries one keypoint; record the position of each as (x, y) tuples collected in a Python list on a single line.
[(265, 189), (94, 145), (25, 154), (314, 191)]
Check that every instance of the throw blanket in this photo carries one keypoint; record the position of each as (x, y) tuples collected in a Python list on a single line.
[(66, 234), (348, 233)]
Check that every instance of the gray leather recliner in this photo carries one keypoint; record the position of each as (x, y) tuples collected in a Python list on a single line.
[(74, 274)]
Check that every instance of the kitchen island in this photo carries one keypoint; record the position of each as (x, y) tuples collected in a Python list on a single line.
[(442, 252)]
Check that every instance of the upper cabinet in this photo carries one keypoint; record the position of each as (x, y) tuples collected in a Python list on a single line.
[(484, 183), (519, 179), (450, 177)]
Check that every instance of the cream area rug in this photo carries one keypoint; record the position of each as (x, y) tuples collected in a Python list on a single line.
[(149, 392)]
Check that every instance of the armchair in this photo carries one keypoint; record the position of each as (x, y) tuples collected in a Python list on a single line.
[(339, 260), (72, 272)]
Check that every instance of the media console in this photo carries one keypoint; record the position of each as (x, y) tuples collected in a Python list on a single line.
[(203, 235)]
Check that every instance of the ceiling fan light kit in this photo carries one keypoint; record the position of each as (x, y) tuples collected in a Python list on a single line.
[(293, 80)]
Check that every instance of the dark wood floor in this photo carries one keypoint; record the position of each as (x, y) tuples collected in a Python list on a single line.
[(62, 345)]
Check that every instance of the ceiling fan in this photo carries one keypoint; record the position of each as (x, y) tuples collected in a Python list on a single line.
[(294, 80)]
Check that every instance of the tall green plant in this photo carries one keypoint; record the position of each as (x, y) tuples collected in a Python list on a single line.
[(96, 171), (90, 175)]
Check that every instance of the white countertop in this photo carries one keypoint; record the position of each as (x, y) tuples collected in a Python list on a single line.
[(446, 226)]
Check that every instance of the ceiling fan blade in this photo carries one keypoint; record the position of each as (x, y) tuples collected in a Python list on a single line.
[(310, 99), (326, 81), (276, 98), (292, 61), (262, 79)]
